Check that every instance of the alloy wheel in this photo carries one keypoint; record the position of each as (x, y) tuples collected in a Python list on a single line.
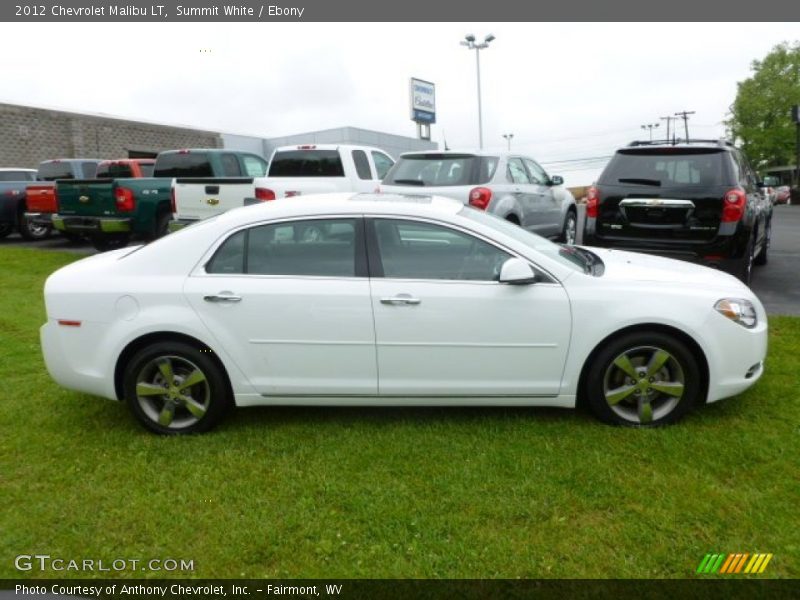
[(173, 392)]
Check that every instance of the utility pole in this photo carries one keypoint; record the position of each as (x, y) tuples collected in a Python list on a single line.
[(668, 120), (684, 114)]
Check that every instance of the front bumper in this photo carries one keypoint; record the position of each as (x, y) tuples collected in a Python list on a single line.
[(72, 224)]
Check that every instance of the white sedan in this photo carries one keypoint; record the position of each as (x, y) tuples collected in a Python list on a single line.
[(393, 300)]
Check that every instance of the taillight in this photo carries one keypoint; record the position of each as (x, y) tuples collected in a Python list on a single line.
[(480, 197), (123, 198), (264, 194), (733, 205), (173, 206), (592, 203)]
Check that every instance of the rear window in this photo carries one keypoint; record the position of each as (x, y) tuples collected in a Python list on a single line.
[(147, 169), (183, 164), (17, 176), (50, 171), (114, 171), (432, 170), (306, 163), (670, 167)]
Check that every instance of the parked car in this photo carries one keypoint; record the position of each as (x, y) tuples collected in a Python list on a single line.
[(382, 299), (40, 197), (293, 171), (698, 201), (12, 198), (110, 211), (783, 194), (508, 185)]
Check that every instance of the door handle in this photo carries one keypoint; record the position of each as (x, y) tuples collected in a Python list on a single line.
[(401, 299), (223, 297)]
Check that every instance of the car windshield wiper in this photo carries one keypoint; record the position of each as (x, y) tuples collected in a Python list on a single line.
[(408, 182), (654, 182)]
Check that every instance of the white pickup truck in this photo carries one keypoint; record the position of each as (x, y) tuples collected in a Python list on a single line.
[(293, 171)]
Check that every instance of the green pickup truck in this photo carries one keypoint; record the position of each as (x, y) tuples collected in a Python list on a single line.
[(110, 211)]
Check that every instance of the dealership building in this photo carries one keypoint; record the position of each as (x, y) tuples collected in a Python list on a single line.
[(29, 135)]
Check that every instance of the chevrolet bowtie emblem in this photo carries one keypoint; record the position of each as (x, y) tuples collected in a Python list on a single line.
[(212, 201), (83, 199)]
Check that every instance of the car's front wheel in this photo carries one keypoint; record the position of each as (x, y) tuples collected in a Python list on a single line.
[(643, 379), (174, 388), (570, 232)]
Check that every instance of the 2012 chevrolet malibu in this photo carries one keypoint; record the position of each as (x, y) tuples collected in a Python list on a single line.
[(393, 300)]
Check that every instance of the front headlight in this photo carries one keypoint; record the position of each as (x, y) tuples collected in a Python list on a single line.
[(739, 310)]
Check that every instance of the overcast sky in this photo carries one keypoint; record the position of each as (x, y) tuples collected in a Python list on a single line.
[(566, 91)]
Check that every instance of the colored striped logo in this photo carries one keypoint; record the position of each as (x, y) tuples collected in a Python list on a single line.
[(739, 562)]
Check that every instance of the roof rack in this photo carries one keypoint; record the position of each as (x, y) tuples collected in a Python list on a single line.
[(674, 141)]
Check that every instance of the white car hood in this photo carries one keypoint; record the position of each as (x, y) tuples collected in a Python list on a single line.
[(635, 266)]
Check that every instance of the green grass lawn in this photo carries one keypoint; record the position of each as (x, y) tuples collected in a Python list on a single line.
[(446, 493)]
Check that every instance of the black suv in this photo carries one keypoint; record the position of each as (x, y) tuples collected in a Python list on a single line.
[(699, 201)]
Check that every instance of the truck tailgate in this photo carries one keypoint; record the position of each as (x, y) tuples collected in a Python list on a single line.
[(86, 197), (286, 187), (41, 198), (203, 198)]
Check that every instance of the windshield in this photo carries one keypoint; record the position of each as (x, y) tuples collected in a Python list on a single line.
[(570, 256)]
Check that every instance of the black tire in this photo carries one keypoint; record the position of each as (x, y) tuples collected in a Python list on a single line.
[(569, 233), (745, 273), (113, 241), (31, 231), (621, 392), (162, 224), (512, 219), (763, 256), (6, 229), (172, 413)]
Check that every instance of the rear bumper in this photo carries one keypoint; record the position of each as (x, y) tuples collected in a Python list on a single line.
[(71, 224), (39, 218), (724, 252), (177, 224)]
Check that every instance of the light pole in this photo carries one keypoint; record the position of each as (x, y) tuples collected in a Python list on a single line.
[(508, 137), (650, 127), (469, 42)]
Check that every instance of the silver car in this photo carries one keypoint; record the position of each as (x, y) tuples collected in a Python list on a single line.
[(508, 185)]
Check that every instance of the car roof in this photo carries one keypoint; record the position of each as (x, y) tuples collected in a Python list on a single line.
[(720, 144), (344, 203), (17, 169), (314, 146)]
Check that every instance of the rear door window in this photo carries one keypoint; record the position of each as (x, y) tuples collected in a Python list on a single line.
[(306, 163), (362, 164), (50, 171), (183, 164), (516, 171), (382, 163), (230, 165), (254, 167)]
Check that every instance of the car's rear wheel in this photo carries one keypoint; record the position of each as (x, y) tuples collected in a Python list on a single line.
[(173, 388), (763, 256), (570, 232), (746, 268), (104, 243), (33, 231), (643, 379)]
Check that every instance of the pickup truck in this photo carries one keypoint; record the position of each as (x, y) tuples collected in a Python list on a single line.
[(12, 198), (293, 171), (40, 198), (110, 211)]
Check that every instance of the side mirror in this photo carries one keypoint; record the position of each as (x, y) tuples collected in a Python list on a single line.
[(557, 180), (516, 271)]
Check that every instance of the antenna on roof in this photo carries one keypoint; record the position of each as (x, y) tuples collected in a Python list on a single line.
[(444, 139)]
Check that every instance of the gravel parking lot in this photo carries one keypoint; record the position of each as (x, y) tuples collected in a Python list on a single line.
[(777, 283)]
